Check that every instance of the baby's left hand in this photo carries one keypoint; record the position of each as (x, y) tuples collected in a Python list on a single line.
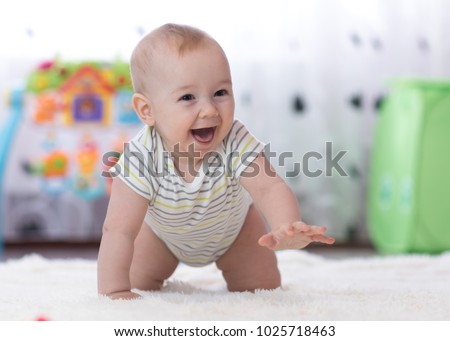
[(296, 235)]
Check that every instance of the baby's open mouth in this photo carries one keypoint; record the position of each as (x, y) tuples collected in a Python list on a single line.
[(203, 135)]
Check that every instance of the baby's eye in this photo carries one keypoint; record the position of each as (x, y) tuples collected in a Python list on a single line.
[(187, 97), (222, 92)]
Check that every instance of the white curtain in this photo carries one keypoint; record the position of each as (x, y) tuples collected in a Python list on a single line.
[(306, 72)]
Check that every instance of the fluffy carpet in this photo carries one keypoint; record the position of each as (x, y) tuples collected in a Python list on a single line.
[(414, 287)]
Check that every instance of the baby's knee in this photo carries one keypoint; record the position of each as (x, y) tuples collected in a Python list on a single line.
[(266, 280), (147, 284)]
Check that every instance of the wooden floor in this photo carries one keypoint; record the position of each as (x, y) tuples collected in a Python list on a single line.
[(51, 250)]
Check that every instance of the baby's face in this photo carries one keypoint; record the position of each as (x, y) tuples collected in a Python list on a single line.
[(192, 99)]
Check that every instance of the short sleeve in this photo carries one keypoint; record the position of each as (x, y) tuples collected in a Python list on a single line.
[(241, 149), (135, 167)]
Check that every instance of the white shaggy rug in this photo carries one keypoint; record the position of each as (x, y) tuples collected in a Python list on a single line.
[(414, 287)]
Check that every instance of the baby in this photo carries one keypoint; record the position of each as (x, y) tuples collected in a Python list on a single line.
[(193, 186)]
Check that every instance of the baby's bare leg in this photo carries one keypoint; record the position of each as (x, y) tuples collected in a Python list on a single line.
[(247, 266), (152, 261)]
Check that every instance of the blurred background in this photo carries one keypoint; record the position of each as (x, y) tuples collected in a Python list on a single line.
[(310, 78)]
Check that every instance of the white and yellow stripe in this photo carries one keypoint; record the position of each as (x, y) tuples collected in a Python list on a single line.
[(197, 221)]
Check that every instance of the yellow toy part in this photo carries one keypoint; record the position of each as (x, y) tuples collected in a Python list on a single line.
[(87, 155)]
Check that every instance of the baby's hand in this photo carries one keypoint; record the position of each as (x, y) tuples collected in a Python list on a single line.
[(296, 235)]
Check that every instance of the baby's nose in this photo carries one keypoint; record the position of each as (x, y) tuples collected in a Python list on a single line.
[(208, 109)]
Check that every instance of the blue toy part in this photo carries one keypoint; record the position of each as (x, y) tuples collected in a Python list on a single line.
[(55, 185), (125, 111), (89, 188), (7, 134)]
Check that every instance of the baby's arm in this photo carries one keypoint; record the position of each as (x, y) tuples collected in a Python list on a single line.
[(123, 221), (278, 204)]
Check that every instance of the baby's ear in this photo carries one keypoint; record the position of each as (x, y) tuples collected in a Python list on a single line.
[(143, 108)]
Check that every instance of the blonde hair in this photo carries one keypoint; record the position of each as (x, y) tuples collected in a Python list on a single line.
[(179, 38)]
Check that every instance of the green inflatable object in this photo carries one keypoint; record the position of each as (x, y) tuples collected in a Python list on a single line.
[(409, 187)]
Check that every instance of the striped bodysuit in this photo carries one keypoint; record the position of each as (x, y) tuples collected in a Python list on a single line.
[(197, 221)]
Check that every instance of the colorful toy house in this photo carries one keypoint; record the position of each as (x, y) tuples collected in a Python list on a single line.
[(51, 162), (87, 97)]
